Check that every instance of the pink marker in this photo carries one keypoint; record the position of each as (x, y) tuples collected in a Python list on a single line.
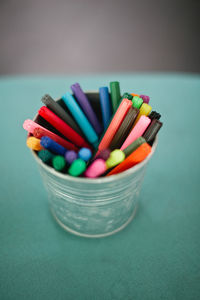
[(137, 131), (31, 126), (97, 168)]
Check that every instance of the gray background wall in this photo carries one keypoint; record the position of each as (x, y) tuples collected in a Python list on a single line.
[(46, 36)]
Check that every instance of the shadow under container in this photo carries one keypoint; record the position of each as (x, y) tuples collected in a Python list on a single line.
[(93, 207)]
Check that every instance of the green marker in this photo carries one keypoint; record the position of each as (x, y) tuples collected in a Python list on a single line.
[(115, 95), (127, 96), (137, 102), (133, 146), (77, 167), (58, 162), (45, 155), (115, 158)]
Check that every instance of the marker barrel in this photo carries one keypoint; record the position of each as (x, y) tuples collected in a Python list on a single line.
[(86, 107), (62, 127), (60, 112), (115, 95), (80, 118), (105, 106)]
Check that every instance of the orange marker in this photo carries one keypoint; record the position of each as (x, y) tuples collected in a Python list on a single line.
[(33, 143), (133, 159), (135, 95)]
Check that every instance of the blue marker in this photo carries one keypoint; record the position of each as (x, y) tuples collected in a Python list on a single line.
[(85, 154), (52, 146), (80, 118), (105, 105)]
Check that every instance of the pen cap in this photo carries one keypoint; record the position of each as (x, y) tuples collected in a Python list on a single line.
[(45, 155), (134, 158), (116, 157), (137, 131), (137, 102), (145, 98), (145, 110), (58, 162), (133, 146), (152, 130), (52, 146), (97, 168), (154, 115), (115, 94), (33, 143), (133, 94), (127, 96), (77, 167), (124, 128)]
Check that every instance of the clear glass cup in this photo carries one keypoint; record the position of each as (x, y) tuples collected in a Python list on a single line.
[(93, 207)]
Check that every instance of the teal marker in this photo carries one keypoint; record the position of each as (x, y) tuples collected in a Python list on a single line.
[(80, 118)]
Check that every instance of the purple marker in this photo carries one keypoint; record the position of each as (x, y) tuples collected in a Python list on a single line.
[(145, 98), (86, 107), (70, 156)]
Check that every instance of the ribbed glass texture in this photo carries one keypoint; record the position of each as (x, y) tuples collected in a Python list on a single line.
[(93, 207)]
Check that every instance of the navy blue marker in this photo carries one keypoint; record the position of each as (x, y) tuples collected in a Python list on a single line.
[(52, 146)]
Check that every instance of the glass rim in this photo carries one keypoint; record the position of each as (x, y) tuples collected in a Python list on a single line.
[(98, 180)]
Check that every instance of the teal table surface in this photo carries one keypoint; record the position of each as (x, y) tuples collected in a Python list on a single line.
[(157, 256)]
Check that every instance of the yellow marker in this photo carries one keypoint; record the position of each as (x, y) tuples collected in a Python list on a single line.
[(145, 110), (115, 158), (34, 143)]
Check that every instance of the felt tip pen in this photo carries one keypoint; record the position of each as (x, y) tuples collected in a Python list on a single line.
[(52, 146), (100, 166), (154, 115), (45, 155), (124, 128), (137, 131), (114, 124), (33, 143), (40, 132), (145, 110), (152, 130), (145, 98), (105, 106), (133, 159), (62, 127), (86, 107), (115, 95), (81, 119), (59, 163), (60, 112), (77, 167)]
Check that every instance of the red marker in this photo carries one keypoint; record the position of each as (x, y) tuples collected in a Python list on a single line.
[(62, 127)]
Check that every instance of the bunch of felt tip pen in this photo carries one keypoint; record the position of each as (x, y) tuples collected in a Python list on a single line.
[(69, 137)]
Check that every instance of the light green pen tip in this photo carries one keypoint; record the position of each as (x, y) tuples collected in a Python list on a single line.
[(115, 158)]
